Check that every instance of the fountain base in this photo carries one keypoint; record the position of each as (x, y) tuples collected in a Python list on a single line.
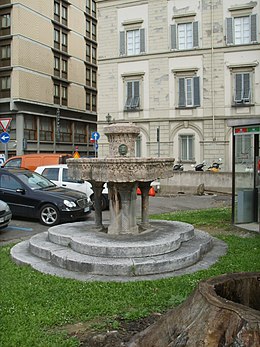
[(78, 251)]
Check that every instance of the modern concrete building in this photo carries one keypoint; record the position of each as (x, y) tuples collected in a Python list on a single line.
[(180, 69), (48, 74)]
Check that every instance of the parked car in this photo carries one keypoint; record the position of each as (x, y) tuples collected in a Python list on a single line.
[(31, 161), (5, 214), (58, 174), (29, 194)]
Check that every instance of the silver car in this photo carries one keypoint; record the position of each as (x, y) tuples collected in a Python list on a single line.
[(5, 214)]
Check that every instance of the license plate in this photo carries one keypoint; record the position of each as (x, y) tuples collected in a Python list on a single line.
[(86, 209)]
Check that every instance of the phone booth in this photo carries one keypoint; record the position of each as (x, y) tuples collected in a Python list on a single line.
[(246, 173)]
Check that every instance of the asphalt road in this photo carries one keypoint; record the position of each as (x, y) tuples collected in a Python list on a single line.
[(21, 229)]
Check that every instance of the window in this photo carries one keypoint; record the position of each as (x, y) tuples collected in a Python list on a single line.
[(94, 11), (132, 95), (241, 30), (64, 95), (57, 63), (94, 55), (56, 36), (88, 77), (64, 39), (56, 8), (46, 131), (80, 134), (88, 99), (91, 101), (94, 101), (184, 35), (65, 131), (60, 94), (132, 42), (242, 92), (64, 68), (5, 52), (64, 13), (88, 6), (186, 147), (5, 20), (244, 149), (30, 132), (88, 28), (5, 82), (51, 173), (56, 91), (88, 52), (94, 78), (94, 31), (189, 91)]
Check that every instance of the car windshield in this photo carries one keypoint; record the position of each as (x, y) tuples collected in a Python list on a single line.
[(35, 181)]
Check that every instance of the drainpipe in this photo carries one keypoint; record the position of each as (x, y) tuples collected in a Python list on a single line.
[(212, 74)]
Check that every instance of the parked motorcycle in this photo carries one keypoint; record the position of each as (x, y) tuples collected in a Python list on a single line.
[(199, 167), (215, 167), (178, 167)]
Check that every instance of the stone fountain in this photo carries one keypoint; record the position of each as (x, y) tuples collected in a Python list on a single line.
[(124, 249)]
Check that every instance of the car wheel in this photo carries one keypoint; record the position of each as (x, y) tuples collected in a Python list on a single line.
[(49, 215), (104, 202)]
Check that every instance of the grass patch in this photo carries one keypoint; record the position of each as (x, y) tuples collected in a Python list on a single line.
[(35, 308)]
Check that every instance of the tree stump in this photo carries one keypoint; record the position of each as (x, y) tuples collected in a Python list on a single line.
[(222, 311)]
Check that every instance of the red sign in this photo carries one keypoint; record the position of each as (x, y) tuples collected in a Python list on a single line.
[(5, 122)]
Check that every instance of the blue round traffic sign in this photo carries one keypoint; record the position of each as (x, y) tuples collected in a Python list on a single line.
[(4, 137), (95, 135)]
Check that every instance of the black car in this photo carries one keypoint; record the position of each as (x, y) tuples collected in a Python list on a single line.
[(29, 194), (5, 214)]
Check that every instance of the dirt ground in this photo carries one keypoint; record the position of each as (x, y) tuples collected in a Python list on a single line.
[(110, 337)]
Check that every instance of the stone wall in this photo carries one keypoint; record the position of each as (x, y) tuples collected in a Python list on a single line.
[(189, 181)]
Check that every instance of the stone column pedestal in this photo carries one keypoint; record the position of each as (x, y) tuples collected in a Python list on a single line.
[(122, 200)]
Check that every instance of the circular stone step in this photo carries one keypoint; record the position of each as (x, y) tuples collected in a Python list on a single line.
[(163, 237)]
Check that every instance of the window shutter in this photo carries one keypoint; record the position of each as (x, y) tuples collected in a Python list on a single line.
[(195, 34), (129, 95), (173, 37), (122, 43), (182, 102), (191, 147), (229, 31), (246, 89), (142, 40), (238, 87), (136, 98), (196, 91), (253, 28)]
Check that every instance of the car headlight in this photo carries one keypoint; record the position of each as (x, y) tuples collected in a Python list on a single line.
[(69, 204), (7, 208)]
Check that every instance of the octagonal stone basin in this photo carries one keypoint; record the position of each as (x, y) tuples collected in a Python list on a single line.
[(124, 169)]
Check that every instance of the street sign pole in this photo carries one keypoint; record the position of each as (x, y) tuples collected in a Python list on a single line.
[(6, 151)]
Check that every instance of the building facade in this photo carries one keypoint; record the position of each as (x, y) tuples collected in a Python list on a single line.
[(179, 69), (48, 74)]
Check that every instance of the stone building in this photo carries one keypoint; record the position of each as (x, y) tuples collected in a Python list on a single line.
[(180, 69), (48, 74)]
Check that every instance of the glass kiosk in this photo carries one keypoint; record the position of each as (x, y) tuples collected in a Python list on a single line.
[(246, 172)]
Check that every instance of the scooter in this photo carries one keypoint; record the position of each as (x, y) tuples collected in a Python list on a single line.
[(178, 167), (199, 167), (215, 167)]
